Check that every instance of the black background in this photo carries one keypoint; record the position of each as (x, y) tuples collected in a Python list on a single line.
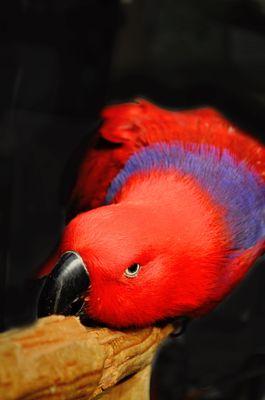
[(61, 62)]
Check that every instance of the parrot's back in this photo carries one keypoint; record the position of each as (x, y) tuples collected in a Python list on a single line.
[(127, 128)]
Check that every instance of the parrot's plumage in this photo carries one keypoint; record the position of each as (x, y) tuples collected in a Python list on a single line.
[(170, 213)]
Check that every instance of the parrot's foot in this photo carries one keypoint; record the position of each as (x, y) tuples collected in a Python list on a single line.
[(180, 324)]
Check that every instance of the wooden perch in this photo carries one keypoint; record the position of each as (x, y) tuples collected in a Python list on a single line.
[(58, 358)]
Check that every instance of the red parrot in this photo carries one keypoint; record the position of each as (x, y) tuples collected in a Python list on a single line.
[(170, 216)]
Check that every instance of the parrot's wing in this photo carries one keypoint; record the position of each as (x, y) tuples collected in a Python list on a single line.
[(128, 127)]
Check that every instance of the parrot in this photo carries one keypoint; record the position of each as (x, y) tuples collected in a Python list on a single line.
[(169, 217)]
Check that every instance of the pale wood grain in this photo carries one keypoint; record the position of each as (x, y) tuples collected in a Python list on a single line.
[(58, 358), (137, 387)]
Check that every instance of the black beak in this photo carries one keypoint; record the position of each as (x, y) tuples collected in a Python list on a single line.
[(65, 287)]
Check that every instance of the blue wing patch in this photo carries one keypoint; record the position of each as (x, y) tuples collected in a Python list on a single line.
[(231, 183)]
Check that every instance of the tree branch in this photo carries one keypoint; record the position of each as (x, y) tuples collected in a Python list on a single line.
[(58, 358)]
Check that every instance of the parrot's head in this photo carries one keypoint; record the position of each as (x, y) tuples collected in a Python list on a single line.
[(147, 260)]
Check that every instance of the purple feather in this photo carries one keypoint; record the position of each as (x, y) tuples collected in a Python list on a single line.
[(232, 184)]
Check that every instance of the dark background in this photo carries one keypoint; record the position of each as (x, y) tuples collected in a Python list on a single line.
[(61, 62)]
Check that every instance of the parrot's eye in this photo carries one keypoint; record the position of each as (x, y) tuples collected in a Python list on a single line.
[(132, 271)]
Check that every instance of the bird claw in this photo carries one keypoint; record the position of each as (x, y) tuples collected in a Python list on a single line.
[(180, 324)]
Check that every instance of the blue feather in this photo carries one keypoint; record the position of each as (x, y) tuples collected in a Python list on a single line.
[(231, 183)]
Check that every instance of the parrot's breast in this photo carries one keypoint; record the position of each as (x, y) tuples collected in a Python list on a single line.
[(232, 184)]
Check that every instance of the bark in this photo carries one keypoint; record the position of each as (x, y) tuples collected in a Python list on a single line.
[(59, 358)]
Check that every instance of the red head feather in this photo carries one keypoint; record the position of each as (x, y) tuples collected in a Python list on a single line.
[(177, 237), (178, 223)]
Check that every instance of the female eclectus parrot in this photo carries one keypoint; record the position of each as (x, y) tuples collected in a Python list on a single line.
[(170, 216)]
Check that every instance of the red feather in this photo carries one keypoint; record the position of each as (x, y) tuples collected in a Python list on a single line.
[(166, 223), (134, 125)]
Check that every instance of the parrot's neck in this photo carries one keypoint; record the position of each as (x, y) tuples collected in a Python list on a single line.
[(231, 184)]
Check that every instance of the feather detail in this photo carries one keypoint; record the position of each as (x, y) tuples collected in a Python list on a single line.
[(128, 127), (237, 269), (234, 186)]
